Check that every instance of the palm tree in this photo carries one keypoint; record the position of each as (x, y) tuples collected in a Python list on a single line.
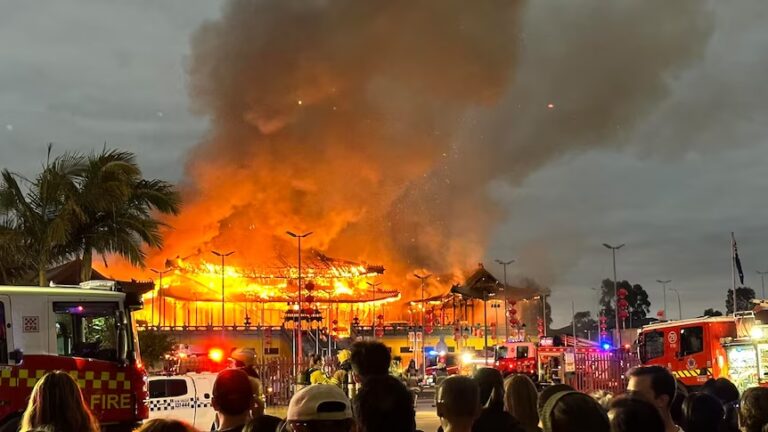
[(39, 220), (118, 209)]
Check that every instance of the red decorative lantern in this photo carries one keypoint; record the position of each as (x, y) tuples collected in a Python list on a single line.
[(309, 298), (309, 286), (540, 326)]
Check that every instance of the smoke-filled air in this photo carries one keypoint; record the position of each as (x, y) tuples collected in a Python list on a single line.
[(379, 125)]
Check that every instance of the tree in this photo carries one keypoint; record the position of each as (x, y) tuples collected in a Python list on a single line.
[(744, 297), (77, 206), (637, 297), (38, 217), (155, 345), (711, 312), (585, 324), (117, 209)]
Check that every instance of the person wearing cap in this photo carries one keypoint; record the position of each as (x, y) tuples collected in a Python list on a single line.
[(233, 400), (320, 408), (244, 359)]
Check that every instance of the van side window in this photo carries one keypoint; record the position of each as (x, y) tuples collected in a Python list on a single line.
[(165, 388), (691, 340), (3, 337)]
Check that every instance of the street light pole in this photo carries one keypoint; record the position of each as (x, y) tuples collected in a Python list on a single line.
[(222, 255), (160, 313), (373, 286), (298, 337), (679, 303), (423, 279), (506, 318), (762, 281), (664, 290), (616, 290)]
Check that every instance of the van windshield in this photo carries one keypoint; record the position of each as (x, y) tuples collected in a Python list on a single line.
[(86, 329)]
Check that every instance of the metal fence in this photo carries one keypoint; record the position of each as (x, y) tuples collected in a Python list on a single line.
[(278, 377), (602, 370)]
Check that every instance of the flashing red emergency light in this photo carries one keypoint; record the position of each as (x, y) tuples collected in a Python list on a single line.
[(216, 355)]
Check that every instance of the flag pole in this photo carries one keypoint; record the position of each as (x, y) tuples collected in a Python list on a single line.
[(733, 270)]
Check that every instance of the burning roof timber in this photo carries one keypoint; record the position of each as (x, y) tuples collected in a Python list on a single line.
[(326, 279)]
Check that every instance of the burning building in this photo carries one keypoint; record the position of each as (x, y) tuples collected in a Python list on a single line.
[(196, 293)]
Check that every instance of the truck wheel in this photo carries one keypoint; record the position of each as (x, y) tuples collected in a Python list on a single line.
[(12, 425)]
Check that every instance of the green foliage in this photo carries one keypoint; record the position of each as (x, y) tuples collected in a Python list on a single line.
[(639, 302), (154, 345), (744, 297), (712, 312), (78, 206), (585, 324)]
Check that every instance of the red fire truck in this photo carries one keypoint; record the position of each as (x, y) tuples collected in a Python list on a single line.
[(711, 347), (517, 358), (691, 349), (85, 330)]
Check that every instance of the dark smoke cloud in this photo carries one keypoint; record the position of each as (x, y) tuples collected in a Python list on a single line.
[(379, 124)]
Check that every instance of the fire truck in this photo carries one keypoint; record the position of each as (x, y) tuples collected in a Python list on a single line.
[(690, 349), (695, 350), (517, 358), (86, 331)]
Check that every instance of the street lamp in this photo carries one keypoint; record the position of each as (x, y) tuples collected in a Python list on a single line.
[(762, 281), (373, 286), (298, 338), (506, 319), (222, 255), (679, 304), (160, 313), (616, 290), (423, 279), (664, 290)]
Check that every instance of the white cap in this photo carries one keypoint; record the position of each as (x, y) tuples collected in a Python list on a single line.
[(319, 402)]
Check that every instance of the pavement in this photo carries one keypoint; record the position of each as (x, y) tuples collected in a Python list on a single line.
[(426, 417)]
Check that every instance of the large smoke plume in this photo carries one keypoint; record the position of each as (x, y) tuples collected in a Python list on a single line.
[(379, 124)]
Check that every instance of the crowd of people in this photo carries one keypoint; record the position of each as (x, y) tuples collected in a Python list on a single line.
[(486, 402)]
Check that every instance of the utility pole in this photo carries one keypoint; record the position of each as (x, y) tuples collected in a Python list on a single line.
[(506, 307), (664, 290), (616, 291), (298, 337), (373, 286), (160, 313), (762, 282), (222, 255), (679, 303), (423, 279)]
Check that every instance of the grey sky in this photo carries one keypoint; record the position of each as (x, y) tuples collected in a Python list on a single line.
[(79, 73)]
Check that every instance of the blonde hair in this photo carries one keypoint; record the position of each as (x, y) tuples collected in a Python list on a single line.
[(520, 398), (57, 403)]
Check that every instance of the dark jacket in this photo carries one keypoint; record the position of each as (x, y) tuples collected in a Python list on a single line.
[(495, 420)]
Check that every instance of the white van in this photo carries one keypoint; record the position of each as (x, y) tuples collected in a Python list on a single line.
[(183, 397)]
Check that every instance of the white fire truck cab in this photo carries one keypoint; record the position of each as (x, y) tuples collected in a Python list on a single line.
[(86, 331)]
